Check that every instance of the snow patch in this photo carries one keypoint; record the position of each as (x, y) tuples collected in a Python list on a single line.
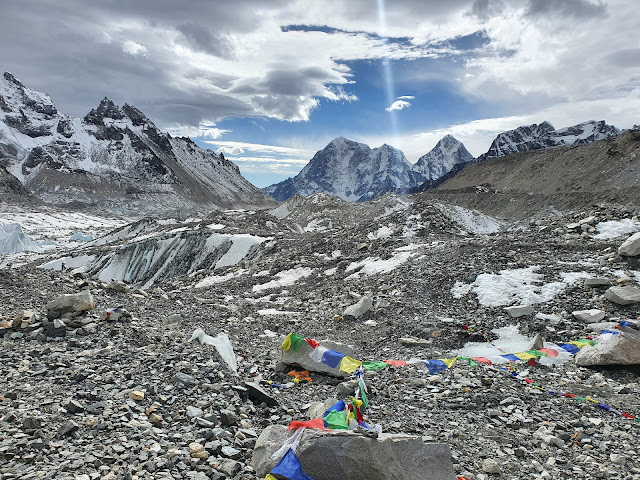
[(79, 261), (471, 220), (375, 265), (382, 233), (285, 278), (215, 279), (521, 286), (616, 228)]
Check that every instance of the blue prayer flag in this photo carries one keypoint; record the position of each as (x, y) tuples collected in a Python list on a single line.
[(332, 358), (289, 467), (511, 356), (435, 366), (569, 348), (339, 406)]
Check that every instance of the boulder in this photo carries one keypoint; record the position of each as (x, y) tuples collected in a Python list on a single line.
[(358, 309), (627, 295), (621, 349), (72, 304), (588, 316), (519, 310), (631, 246), (348, 455), (302, 359)]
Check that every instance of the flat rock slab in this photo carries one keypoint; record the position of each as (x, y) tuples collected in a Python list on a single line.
[(627, 295), (344, 455), (301, 358), (74, 302), (519, 310), (622, 349), (589, 316)]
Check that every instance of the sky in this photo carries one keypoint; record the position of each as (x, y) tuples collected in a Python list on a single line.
[(269, 83)]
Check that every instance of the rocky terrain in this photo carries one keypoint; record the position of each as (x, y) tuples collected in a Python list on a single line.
[(111, 387)]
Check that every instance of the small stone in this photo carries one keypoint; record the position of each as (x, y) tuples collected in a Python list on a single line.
[(627, 295), (230, 452), (618, 459), (193, 412), (184, 379), (230, 467), (31, 423), (358, 309), (631, 246), (196, 450), (228, 418), (597, 282), (489, 465), (73, 407), (136, 395), (155, 419), (67, 428), (518, 311)]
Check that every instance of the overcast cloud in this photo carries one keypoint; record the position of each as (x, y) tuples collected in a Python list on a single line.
[(188, 65)]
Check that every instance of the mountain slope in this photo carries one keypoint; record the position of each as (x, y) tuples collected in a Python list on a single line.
[(605, 171), (447, 153), (114, 158), (349, 170), (536, 137)]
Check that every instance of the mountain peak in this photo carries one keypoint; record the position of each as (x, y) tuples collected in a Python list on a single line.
[(9, 77), (448, 152), (106, 109)]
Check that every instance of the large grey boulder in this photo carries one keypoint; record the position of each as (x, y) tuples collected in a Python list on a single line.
[(631, 246), (346, 455), (627, 295), (622, 349), (72, 303), (301, 358)]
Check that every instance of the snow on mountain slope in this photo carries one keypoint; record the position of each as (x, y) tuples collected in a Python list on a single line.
[(447, 153), (535, 137), (114, 158), (349, 170)]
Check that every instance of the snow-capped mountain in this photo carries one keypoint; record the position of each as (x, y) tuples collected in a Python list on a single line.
[(351, 171), (447, 153), (535, 137), (114, 158)]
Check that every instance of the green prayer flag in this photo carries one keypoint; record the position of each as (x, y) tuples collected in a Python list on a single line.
[(296, 340), (374, 366), (336, 420), (363, 394), (536, 353)]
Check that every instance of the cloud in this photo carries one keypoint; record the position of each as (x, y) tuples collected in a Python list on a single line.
[(135, 49), (203, 131), (398, 105)]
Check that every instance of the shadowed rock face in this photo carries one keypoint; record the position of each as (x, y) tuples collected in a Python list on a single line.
[(114, 159)]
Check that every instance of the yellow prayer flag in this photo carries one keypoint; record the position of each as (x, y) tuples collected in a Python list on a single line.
[(589, 399), (270, 477), (349, 365), (578, 344), (524, 355), (286, 345), (448, 361)]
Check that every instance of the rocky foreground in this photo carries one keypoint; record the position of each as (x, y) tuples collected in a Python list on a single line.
[(86, 395)]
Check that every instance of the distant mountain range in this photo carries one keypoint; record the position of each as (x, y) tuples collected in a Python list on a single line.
[(355, 172), (113, 159)]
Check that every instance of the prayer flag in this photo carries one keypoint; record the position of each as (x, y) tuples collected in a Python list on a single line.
[(396, 363), (289, 467), (551, 352), (270, 477), (435, 366), (296, 340), (286, 345), (336, 420), (339, 406), (374, 366), (570, 348), (317, 353), (482, 360), (363, 393), (536, 353), (448, 361), (524, 355), (349, 365), (315, 423), (312, 343), (332, 358), (511, 357)]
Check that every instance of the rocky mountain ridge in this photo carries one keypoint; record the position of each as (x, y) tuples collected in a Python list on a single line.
[(344, 167), (114, 158)]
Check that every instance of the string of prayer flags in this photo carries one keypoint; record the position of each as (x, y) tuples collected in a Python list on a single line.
[(296, 340), (289, 468), (315, 423)]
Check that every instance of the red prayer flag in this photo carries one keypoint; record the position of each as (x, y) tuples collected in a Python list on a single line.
[(315, 423), (396, 363), (551, 352), (482, 360), (312, 343)]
